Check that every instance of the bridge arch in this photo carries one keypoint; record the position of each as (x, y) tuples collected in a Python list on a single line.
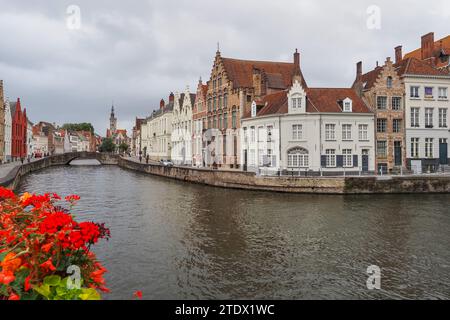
[(67, 158)]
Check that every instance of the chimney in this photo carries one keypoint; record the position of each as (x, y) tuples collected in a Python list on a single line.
[(257, 79), (162, 103), (398, 54), (427, 45), (297, 58), (359, 70), (171, 98)]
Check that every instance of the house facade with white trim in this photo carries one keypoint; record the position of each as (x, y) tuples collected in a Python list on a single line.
[(156, 131), (309, 131), (181, 137), (427, 108)]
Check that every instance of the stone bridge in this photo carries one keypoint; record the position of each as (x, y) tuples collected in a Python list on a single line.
[(12, 178), (67, 158)]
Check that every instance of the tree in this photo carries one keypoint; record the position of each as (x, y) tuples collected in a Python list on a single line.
[(107, 145), (79, 127), (123, 147)]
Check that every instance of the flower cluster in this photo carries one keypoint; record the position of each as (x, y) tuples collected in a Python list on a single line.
[(39, 241)]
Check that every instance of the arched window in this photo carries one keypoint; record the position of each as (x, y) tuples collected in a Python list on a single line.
[(389, 82), (298, 158)]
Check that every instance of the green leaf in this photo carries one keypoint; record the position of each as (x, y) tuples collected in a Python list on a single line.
[(52, 281), (43, 290), (89, 294)]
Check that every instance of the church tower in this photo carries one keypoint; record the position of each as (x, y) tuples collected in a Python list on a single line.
[(112, 122)]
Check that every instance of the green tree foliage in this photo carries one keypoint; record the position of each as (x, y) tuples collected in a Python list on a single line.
[(107, 145), (123, 147), (79, 127)]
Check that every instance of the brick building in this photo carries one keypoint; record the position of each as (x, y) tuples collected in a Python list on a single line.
[(383, 92), (19, 131), (232, 87), (199, 119)]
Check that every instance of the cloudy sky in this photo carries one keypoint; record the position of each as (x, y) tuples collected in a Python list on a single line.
[(135, 52)]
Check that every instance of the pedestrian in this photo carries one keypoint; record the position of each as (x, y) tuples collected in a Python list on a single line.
[(147, 158), (140, 158)]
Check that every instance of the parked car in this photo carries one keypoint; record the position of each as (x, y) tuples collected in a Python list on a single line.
[(166, 163)]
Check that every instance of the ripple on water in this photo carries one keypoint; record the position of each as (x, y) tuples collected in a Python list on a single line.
[(182, 241)]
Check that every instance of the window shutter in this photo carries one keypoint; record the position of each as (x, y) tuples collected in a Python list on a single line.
[(323, 161), (339, 161), (355, 160)]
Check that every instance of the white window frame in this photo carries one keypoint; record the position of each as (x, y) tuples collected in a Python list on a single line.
[(443, 93), (297, 132), (414, 92), (394, 106), (330, 132), (347, 132), (298, 158), (443, 117), (330, 158), (383, 105), (415, 142), (347, 158), (429, 148), (363, 132), (429, 112), (415, 117)]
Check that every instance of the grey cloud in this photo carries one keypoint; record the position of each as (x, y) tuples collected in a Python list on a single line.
[(136, 52)]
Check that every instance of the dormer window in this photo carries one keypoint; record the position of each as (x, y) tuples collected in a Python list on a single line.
[(296, 102), (347, 105), (297, 98)]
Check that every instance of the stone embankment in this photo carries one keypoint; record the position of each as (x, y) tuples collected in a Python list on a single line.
[(10, 177)]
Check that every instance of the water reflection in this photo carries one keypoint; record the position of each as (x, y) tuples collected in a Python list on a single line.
[(181, 241)]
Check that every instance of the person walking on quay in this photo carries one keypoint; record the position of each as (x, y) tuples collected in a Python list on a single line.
[(147, 158), (140, 158)]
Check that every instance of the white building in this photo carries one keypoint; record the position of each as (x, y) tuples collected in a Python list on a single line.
[(30, 140), (156, 132), (8, 131), (427, 108), (309, 131), (181, 136), (67, 143)]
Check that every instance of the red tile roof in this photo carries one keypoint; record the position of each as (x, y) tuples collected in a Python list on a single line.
[(241, 72), (328, 99), (414, 66), (368, 79), (441, 46), (318, 100)]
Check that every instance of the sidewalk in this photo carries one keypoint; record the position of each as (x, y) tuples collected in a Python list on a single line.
[(7, 168)]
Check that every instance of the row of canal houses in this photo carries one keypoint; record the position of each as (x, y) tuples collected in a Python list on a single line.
[(263, 116), (20, 139)]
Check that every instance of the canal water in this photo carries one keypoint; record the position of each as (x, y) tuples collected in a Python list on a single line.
[(174, 240)]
